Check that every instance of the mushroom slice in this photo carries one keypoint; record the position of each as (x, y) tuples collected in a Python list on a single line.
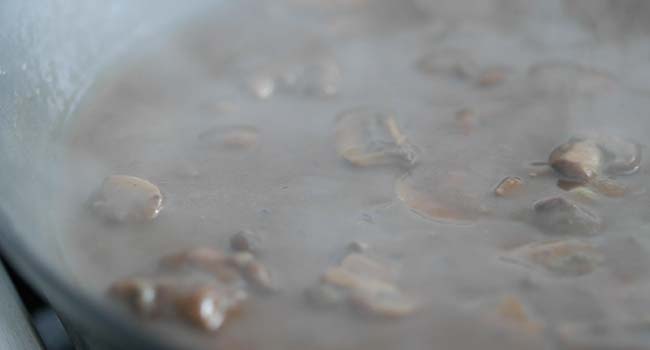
[(366, 137), (125, 198)]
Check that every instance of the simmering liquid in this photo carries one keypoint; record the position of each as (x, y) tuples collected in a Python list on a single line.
[(390, 163)]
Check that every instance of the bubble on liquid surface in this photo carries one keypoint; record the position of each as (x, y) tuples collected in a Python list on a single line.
[(366, 137)]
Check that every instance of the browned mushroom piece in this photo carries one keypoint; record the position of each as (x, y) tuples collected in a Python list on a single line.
[(579, 160), (558, 215), (123, 198), (587, 160), (509, 186), (366, 137), (208, 308)]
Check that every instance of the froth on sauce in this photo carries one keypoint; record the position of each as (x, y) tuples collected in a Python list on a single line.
[(302, 126)]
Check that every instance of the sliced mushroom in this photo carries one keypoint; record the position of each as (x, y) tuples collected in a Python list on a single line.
[(578, 159), (558, 215), (125, 198), (587, 160), (366, 137), (508, 186)]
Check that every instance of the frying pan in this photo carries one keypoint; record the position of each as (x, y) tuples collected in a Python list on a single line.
[(50, 52)]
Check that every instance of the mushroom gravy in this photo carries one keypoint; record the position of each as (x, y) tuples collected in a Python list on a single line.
[(373, 174)]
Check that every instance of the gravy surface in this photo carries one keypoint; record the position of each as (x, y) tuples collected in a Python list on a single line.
[(236, 119)]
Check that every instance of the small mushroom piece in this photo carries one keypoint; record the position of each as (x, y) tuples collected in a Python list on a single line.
[(508, 186), (206, 308), (578, 159), (366, 137), (379, 299), (245, 241), (140, 295), (123, 198), (558, 215)]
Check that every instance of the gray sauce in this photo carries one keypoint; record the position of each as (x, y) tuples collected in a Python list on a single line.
[(313, 124)]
